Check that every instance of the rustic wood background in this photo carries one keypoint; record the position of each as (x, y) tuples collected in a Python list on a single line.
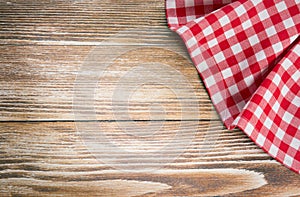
[(43, 47)]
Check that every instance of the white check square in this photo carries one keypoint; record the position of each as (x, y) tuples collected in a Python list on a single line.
[(210, 81), (288, 23), (228, 34), (281, 6), (268, 95), (191, 42), (277, 47), (237, 48), (189, 3), (173, 20), (227, 73), (249, 129), (217, 98), (224, 20), (240, 10), (249, 80), (280, 134), (253, 40), (273, 150), (271, 31), (233, 89), (288, 160), (276, 107), (258, 112), (219, 57), (171, 4), (284, 90), (287, 117), (263, 15), (260, 140), (268, 123), (207, 31), (243, 64), (260, 56), (212, 42), (295, 143), (246, 24)]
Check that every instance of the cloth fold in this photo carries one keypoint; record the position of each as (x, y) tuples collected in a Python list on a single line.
[(247, 52)]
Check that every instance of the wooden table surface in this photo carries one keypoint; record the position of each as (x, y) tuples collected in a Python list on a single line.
[(109, 72)]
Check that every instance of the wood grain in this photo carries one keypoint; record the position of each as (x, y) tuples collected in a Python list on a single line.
[(163, 138), (76, 22), (38, 82), (50, 159)]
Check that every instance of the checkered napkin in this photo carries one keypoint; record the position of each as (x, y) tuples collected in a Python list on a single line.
[(248, 55)]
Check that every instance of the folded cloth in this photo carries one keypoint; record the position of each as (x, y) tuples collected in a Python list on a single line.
[(247, 52)]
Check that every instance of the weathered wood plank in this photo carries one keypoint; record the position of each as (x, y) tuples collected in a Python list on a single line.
[(39, 83), (44, 22), (50, 159), (210, 142)]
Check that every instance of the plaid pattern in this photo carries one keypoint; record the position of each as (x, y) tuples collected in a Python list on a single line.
[(236, 49), (180, 12), (272, 116)]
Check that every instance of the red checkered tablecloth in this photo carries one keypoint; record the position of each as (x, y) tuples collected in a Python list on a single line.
[(248, 55)]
